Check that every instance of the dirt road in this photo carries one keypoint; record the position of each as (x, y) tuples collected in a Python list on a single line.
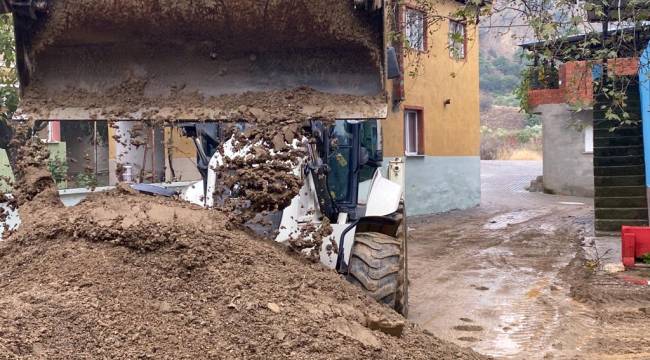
[(499, 278)]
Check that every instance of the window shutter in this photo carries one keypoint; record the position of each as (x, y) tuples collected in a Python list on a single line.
[(420, 133)]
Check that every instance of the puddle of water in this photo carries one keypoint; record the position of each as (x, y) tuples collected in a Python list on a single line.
[(502, 221), (547, 229), (496, 251), (503, 341)]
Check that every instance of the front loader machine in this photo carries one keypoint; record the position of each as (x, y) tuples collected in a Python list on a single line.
[(343, 188), (171, 63)]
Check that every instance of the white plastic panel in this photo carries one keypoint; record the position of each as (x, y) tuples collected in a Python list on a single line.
[(384, 198)]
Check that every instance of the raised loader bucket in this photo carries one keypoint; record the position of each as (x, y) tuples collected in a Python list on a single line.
[(199, 60)]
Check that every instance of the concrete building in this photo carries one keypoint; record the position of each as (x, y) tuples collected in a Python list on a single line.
[(567, 112), (434, 121), (567, 133), (587, 154)]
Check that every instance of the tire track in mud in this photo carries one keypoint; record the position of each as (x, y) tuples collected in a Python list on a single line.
[(545, 323), (518, 304)]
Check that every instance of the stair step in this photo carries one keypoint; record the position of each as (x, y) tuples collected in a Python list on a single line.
[(616, 224), (600, 123), (633, 110), (619, 160), (618, 151), (617, 213), (619, 170), (619, 141), (632, 92), (620, 191), (633, 131), (633, 180), (621, 202)]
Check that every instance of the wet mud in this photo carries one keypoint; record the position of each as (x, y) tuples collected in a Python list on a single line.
[(510, 279), (130, 276), (201, 60), (233, 25)]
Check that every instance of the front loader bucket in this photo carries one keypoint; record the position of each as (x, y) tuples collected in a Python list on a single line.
[(200, 60)]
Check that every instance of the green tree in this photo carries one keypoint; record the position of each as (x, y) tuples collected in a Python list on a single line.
[(8, 78)]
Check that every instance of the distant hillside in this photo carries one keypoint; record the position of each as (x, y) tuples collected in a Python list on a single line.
[(504, 117), (500, 59), (500, 77)]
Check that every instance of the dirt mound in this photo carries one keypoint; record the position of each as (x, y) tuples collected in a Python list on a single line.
[(124, 276)]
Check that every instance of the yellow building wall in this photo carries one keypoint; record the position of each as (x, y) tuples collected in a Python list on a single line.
[(451, 130), (182, 150), (182, 147)]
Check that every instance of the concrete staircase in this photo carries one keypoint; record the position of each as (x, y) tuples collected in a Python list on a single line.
[(619, 170)]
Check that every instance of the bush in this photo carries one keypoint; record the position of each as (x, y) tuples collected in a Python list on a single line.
[(502, 144), (487, 101)]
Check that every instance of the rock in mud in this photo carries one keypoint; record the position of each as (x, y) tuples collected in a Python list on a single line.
[(356, 331), (388, 326)]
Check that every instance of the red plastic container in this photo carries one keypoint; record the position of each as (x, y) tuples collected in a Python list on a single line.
[(635, 242)]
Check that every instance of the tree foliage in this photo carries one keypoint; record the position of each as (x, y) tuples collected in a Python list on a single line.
[(500, 76), (8, 78), (594, 31)]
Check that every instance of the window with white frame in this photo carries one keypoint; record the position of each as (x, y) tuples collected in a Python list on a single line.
[(415, 29), (589, 139), (413, 132), (457, 40)]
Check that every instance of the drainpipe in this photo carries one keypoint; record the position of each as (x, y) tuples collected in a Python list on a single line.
[(644, 88)]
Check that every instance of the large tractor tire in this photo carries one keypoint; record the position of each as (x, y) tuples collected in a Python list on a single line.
[(378, 264)]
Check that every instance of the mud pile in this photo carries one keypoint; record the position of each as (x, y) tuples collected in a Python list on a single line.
[(238, 24), (127, 100), (128, 276), (265, 179), (200, 60), (34, 186)]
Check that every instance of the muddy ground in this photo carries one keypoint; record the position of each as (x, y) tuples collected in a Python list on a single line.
[(509, 279)]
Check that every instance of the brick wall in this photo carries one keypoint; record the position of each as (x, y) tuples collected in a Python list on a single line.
[(576, 83), (545, 96), (625, 67)]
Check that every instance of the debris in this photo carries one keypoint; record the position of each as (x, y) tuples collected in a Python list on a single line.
[(536, 185), (387, 326), (613, 268), (470, 328), (273, 307), (125, 188), (356, 331)]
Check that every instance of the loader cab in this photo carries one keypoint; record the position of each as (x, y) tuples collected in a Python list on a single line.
[(349, 153), (353, 155)]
